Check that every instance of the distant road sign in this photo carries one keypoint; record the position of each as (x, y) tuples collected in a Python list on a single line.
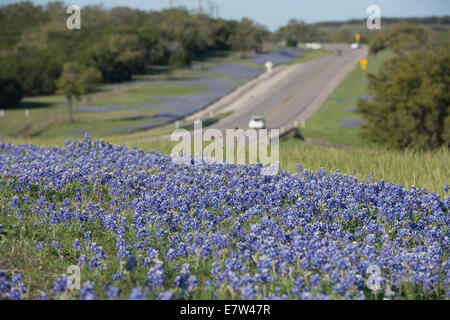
[(364, 63)]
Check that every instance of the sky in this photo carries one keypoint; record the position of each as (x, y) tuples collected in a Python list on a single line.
[(276, 13)]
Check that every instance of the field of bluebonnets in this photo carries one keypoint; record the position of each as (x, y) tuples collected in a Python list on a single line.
[(142, 227)]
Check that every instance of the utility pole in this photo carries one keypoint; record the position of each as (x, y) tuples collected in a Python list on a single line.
[(171, 3), (217, 10), (200, 9), (211, 6)]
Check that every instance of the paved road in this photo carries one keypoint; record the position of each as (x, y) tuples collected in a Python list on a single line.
[(294, 96)]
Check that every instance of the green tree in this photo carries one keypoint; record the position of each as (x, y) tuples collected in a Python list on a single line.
[(179, 60), (248, 36), (297, 31), (35, 70), (412, 101), (10, 93), (119, 56), (150, 37), (401, 37), (76, 80), (224, 30)]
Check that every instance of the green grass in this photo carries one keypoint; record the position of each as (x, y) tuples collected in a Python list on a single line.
[(47, 114), (15, 121), (209, 121), (141, 95), (430, 170), (310, 54), (325, 124), (53, 124), (197, 70)]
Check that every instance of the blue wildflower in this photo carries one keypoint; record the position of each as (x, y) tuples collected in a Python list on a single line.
[(137, 294)]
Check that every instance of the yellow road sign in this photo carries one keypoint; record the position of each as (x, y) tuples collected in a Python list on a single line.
[(363, 63), (357, 37)]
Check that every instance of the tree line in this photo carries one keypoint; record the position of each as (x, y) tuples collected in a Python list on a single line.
[(35, 44), (119, 42)]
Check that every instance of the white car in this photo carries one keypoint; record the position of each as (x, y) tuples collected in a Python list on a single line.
[(355, 45), (257, 122), (314, 45)]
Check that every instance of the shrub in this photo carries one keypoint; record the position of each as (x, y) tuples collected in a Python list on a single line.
[(10, 93), (412, 101), (179, 60)]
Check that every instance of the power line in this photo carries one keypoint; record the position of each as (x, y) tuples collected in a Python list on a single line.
[(211, 8)]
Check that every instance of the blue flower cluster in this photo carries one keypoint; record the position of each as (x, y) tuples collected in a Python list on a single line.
[(351, 123), (12, 288), (223, 230), (237, 70)]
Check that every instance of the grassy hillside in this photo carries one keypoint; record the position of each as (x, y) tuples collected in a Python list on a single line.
[(331, 122), (139, 226), (45, 116)]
